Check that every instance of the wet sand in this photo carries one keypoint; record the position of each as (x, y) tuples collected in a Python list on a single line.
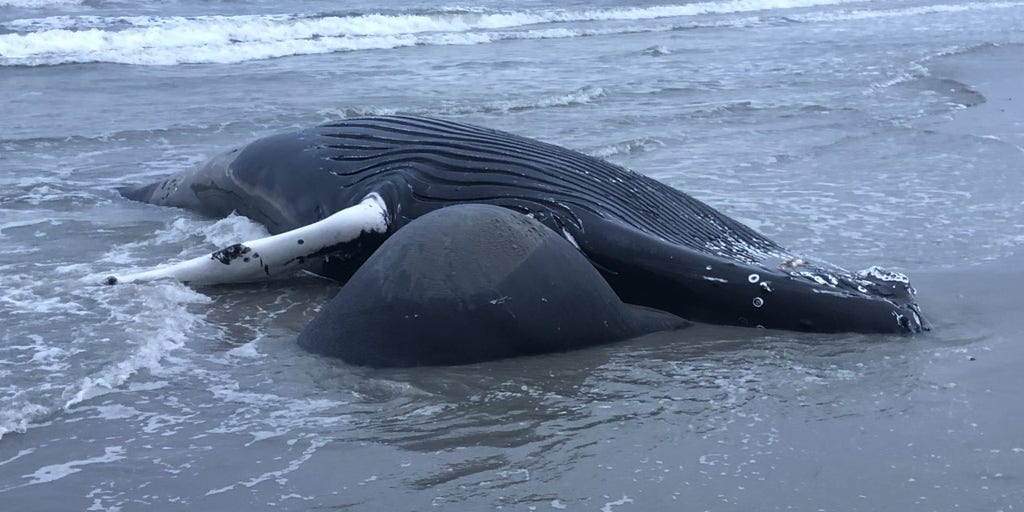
[(997, 72)]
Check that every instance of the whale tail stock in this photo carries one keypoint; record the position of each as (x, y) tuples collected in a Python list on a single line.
[(194, 189)]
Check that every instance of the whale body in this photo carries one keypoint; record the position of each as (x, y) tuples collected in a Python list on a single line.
[(654, 245)]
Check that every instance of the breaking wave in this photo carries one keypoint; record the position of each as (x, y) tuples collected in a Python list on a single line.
[(152, 40), (38, 4), (582, 96)]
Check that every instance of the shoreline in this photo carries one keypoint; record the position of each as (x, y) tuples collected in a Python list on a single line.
[(996, 73)]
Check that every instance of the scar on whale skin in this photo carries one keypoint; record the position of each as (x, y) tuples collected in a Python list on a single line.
[(231, 253)]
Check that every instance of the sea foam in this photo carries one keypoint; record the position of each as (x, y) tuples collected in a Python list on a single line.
[(151, 40), (38, 4)]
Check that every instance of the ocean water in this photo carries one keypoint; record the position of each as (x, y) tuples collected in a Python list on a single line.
[(861, 132)]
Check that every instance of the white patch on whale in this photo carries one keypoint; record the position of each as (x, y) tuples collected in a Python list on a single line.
[(274, 255)]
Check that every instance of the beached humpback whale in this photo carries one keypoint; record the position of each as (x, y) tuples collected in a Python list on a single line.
[(331, 196)]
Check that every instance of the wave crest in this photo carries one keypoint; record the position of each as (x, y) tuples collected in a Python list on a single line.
[(38, 4), (582, 96), (151, 40)]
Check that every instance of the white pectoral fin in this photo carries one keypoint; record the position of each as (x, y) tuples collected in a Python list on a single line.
[(274, 255)]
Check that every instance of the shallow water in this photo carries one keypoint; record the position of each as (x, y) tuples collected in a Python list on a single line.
[(863, 133)]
